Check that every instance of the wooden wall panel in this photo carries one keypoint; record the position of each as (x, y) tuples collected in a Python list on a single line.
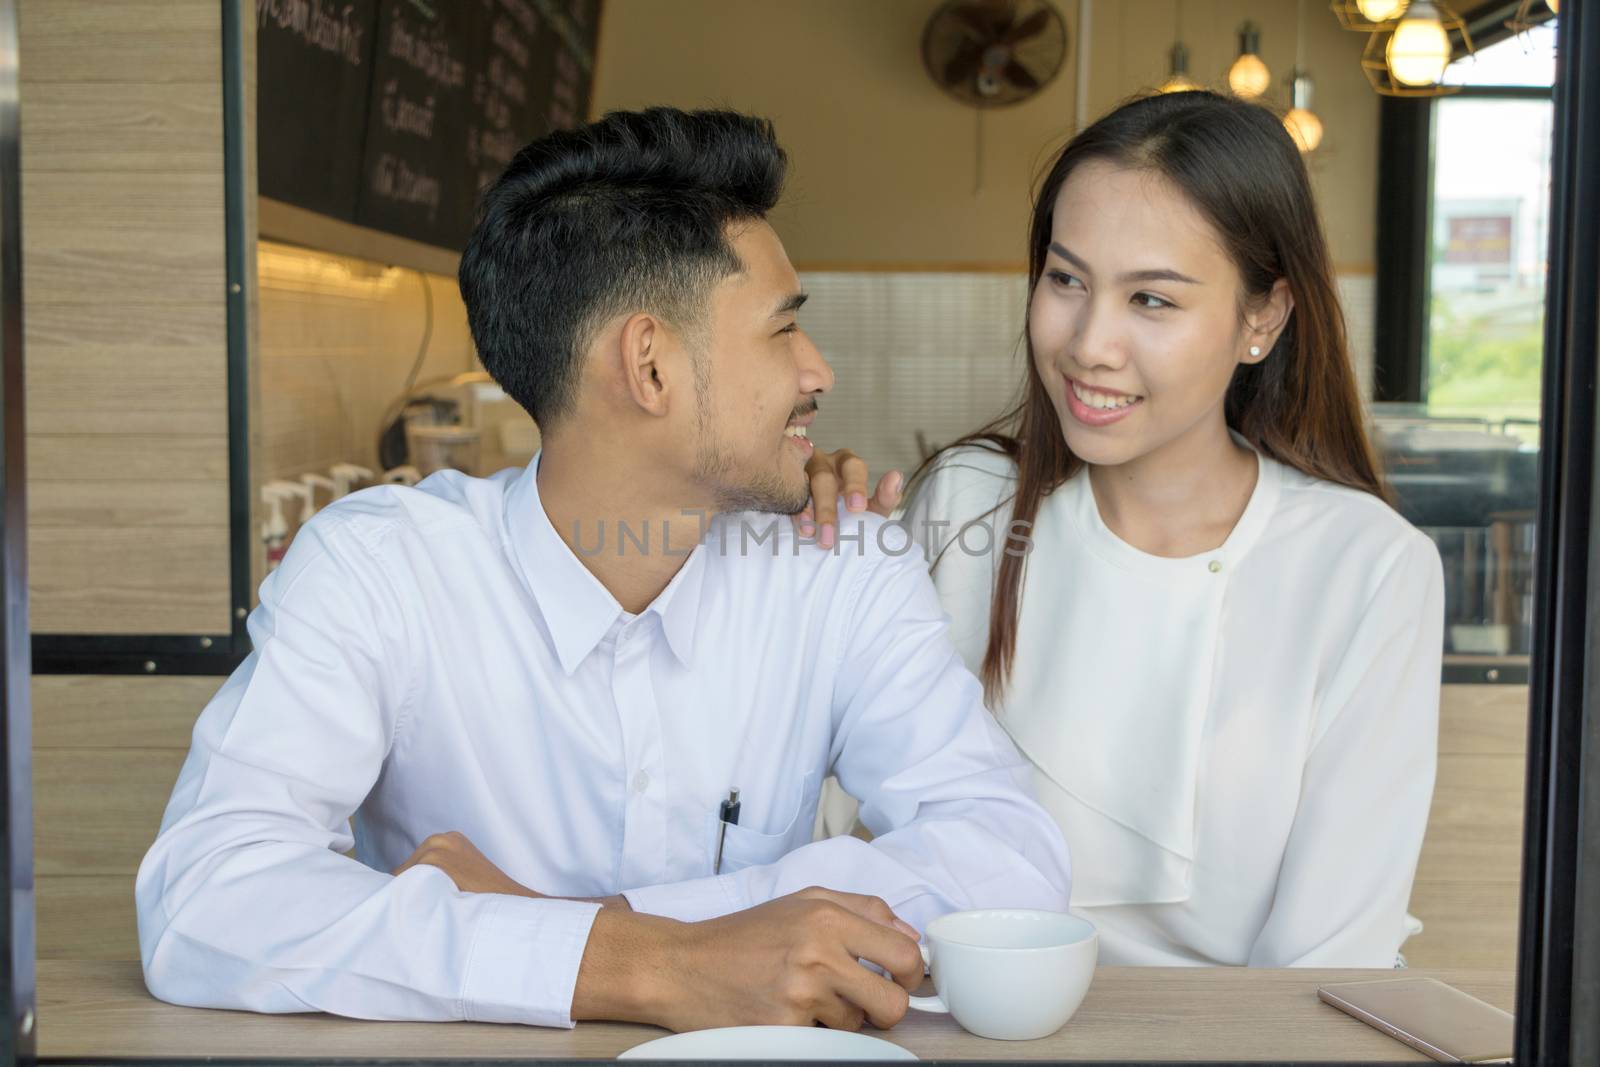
[(125, 281), (1467, 924), (94, 239), (120, 41), (131, 579), (138, 458), (1475, 827), (126, 368), (1469, 878), (107, 750), (106, 754), (85, 917), (125, 504), (1485, 720), (78, 127), (104, 711), (96, 810)]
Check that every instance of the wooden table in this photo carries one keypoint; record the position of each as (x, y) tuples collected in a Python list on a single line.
[(101, 1009)]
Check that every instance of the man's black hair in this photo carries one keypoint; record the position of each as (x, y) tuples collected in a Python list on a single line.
[(625, 214)]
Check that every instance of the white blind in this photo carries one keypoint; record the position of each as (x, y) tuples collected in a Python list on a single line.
[(935, 353)]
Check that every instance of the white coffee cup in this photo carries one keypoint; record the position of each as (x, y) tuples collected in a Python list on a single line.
[(1009, 973)]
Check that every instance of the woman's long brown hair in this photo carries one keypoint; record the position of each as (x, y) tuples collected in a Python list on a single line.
[(1300, 405)]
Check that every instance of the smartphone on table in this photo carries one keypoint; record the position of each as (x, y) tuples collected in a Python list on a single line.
[(1435, 1019)]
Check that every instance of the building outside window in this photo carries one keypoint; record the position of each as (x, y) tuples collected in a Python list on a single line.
[(1463, 456)]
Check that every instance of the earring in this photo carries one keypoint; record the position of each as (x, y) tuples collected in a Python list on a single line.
[(1255, 350)]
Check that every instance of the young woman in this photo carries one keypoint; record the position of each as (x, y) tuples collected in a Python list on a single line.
[(1179, 581)]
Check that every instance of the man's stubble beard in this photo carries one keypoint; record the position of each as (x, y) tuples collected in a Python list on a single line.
[(717, 466)]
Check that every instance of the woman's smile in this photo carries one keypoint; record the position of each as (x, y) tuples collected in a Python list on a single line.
[(1095, 406)]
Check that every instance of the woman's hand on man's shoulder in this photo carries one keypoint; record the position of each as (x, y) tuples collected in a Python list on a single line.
[(843, 473)]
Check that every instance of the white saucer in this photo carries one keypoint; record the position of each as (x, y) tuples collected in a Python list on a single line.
[(767, 1043)]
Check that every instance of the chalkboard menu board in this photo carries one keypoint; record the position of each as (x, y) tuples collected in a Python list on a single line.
[(395, 114)]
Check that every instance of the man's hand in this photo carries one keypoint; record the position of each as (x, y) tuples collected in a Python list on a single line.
[(472, 872), (468, 868), (792, 961)]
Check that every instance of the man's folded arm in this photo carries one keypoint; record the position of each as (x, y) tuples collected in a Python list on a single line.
[(943, 790), (244, 900)]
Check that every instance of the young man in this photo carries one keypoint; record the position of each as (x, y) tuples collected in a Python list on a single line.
[(534, 694)]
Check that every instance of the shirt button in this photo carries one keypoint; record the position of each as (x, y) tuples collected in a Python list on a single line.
[(641, 782), (1215, 566)]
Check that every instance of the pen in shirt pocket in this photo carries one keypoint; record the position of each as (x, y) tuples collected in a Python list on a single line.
[(728, 815)]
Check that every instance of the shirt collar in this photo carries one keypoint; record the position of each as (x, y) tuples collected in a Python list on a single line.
[(578, 611), (1076, 497)]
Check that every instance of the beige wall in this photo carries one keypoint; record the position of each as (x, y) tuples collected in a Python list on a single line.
[(885, 167), (338, 337), (1131, 42)]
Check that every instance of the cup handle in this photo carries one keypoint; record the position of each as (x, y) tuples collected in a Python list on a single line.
[(933, 1004)]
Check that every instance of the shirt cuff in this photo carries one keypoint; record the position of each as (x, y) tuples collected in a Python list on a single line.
[(693, 901), (523, 966)]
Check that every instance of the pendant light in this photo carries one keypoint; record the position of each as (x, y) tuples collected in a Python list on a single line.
[(1364, 16), (1554, 6), (1178, 80), (1407, 56), (1249, 76), (1302, 124), (1379, 10), (1419, 49)]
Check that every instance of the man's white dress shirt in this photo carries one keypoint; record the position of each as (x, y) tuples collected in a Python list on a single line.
[(1239, 745), (437, 659)]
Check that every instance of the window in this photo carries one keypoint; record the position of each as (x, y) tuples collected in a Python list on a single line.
[(1463, 460), (1490, 210)]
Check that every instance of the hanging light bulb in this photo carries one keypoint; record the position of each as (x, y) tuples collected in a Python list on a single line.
[(1419, 49), (1379, 10), (1249, 76), (1303, 124), (1178, 80), (1305, 128)]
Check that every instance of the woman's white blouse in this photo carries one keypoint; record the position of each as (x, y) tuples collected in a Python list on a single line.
[(1239, 745)]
